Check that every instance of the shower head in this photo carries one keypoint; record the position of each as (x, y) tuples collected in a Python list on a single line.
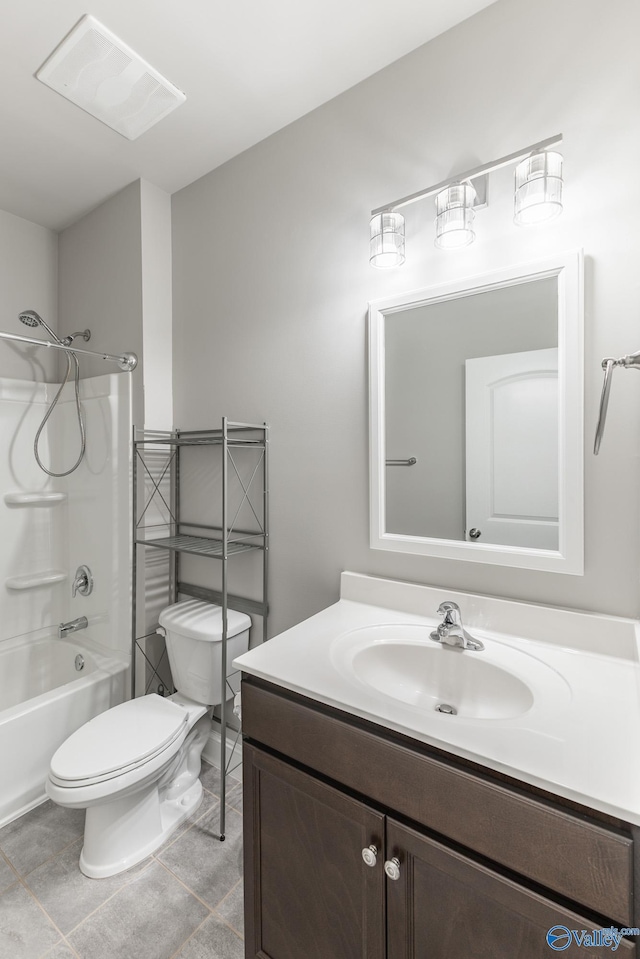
[(31, 318)]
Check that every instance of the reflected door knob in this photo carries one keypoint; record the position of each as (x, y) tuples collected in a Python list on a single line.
[(475, 533), (392, 868), (370, 855)]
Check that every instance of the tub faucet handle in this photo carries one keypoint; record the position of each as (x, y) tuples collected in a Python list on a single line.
[(82, 581)]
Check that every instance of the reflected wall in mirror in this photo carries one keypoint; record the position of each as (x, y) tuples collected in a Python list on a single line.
[(476, 418)]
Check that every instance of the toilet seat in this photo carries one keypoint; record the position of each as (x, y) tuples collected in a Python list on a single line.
[(118, 741)]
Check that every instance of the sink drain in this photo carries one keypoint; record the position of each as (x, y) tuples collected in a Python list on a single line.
[(447, 709)]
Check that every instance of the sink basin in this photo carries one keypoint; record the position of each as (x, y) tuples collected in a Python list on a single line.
[(402, 663)]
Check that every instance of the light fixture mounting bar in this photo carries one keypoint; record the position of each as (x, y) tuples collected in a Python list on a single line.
[(469, 175)]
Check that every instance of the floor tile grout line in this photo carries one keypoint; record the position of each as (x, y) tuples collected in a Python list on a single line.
[(194, 894), (206, 919), (44, 911), (226, 922), (49, 859), (232, 890), (124, 885), (184, 885), (71, 949), (13, 870), (189, 937)]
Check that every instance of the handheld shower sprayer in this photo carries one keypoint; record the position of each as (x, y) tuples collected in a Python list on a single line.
[(33, 319), (30, 318)]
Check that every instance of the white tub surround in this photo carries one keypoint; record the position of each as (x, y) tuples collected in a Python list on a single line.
[(582, 669), (50, 527)]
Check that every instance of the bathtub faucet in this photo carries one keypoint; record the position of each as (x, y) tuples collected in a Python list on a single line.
[(64, 628)]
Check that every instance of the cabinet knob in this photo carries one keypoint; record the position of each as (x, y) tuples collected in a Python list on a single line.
[(392, 868), (370, 855), (475, 533)]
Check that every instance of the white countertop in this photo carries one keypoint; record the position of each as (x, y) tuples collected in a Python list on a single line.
[(580, 738)]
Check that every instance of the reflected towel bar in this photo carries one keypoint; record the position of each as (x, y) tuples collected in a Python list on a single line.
[(410, 462)]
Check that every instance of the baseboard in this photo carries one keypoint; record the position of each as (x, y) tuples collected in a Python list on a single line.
[(211, 751)]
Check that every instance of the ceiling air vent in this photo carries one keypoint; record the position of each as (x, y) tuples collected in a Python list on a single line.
[(101, 74)]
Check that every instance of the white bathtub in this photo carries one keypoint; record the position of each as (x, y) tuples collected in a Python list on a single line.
[(43, 699)]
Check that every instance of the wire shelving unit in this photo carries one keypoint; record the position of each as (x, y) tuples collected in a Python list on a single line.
[(239, 491)]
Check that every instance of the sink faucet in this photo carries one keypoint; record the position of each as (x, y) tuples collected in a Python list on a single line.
[(451, 632), (64, 628)]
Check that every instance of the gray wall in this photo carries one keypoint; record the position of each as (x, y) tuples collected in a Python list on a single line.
[(29, 281), (155, 212), (115, 278), (100, 276), (271, 281)]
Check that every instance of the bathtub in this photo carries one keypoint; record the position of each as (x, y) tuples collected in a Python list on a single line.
[(43, 699)]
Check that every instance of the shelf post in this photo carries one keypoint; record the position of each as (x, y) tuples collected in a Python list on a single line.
[(223, 651), (134, 571)]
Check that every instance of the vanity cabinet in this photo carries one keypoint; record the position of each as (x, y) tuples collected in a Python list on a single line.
[(479, 867), (311, 892)]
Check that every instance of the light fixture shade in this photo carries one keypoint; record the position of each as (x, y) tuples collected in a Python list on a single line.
[(538, 195), (455, 216), (387, 240)]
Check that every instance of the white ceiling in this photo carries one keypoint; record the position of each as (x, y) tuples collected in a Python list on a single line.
[(248, 68)]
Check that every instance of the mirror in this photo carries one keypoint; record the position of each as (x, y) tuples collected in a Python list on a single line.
[(476, 418)]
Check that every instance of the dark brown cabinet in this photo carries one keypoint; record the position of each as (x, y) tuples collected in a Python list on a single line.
[(310, 884), (316, 795), (446, 906)]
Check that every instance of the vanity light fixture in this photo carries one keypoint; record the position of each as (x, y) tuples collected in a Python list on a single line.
[(387, 240), (455, 216), (538, 197)]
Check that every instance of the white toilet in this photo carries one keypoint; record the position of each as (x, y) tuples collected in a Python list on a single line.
[(135, 768)]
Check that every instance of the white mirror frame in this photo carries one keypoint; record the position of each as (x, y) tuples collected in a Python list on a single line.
[(569, 557)]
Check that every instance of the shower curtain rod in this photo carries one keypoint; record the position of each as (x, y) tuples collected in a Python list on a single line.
[(126, 362)]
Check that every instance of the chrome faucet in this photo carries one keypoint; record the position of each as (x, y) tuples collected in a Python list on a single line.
[(65, 628), (451, 632)]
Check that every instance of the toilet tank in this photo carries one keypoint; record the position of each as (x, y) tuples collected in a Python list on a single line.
[(193, 634)]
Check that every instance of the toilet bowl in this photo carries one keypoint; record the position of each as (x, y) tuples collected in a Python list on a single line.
[(135, 768)]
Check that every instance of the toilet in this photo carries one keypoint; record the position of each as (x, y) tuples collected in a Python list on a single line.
[(135, 768)]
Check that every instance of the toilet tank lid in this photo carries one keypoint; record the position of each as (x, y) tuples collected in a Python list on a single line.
[(196, 619)]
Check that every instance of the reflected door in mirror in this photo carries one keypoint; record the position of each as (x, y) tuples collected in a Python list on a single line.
[(512, 448)]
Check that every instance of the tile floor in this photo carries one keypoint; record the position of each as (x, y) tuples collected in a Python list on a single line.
[(184, 902)]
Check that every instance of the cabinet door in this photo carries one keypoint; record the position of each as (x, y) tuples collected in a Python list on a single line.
[(308, 892), (446, 906)]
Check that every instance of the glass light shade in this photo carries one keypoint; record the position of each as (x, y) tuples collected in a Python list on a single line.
[(387, 240), (455, 216), (538, 195)]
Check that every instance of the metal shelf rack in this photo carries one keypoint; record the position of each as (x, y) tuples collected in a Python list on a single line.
[(158, 523)]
